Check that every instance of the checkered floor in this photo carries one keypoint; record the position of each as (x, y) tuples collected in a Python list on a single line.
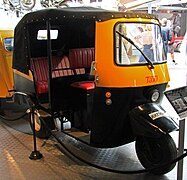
[(16, 146)]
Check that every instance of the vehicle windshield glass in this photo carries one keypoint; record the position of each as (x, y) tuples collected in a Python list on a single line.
[(134, 41), (8, 43)]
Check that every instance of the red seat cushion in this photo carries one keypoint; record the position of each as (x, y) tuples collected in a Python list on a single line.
[(42, 87), (87, 85)]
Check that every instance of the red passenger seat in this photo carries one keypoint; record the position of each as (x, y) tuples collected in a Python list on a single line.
[(86, 85), (61, 67), (81, 59), (79, 62), (39, 67)]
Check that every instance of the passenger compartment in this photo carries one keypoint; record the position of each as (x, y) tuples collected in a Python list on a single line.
[(79, 62), (70, 83)]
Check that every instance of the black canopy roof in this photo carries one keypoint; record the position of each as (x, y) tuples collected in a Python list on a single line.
[(57, 16), (78, 12)]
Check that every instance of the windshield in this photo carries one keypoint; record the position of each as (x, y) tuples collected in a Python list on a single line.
[(134, 41), (8, 43)]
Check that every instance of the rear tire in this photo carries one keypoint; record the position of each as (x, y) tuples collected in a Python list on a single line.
[(154, 152)]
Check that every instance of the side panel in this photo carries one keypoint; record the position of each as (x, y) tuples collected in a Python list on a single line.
[(110, 126), (23, 83)]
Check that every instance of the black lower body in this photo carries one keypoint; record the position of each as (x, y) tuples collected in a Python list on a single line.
[(110, 124)]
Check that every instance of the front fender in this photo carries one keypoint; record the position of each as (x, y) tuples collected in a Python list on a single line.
[(151, 119)]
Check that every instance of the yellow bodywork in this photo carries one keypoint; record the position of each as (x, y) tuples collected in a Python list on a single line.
[(111, 75), (6, 74)]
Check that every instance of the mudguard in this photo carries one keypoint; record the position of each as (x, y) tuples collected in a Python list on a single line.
[(151, 119)]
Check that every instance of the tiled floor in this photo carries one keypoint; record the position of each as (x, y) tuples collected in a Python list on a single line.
[(16, 146)]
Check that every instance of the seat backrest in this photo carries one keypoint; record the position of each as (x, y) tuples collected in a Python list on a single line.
[(60, 67), (39, 66), (81, 58)]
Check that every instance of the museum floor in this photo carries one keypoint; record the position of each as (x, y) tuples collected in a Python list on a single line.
[(16, 145)]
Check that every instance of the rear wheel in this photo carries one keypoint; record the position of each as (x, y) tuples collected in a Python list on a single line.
[(154, 152), (40, 128)]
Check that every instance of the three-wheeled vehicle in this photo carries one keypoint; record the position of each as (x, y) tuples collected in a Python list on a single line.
[(6, 50), (96, 72)]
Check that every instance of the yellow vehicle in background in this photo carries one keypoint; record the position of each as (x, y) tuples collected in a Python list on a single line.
[(6, 51)]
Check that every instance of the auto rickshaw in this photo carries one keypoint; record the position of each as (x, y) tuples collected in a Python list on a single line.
[(6, 50), (91, 71)]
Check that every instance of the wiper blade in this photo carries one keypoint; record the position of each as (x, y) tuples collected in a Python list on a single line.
[(130, 41)]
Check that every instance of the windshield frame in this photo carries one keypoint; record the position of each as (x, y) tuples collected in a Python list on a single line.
[(163, 58)]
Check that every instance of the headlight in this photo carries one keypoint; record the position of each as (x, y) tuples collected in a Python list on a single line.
[(154, 96)]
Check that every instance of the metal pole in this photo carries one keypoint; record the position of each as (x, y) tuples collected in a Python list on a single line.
[(49, 55), (181, 148), (35, 154)]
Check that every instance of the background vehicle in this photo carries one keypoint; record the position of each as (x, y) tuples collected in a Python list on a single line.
[(81, 66), (6, 73)]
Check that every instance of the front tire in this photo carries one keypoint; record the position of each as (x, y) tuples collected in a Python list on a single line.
[(154, 152)]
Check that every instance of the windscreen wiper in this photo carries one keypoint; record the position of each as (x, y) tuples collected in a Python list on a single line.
[(151, 66)]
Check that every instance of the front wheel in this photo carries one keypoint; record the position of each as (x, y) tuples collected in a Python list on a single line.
[(154, 152)]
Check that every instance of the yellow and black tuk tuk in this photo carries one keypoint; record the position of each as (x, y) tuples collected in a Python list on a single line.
[(99, 72)]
